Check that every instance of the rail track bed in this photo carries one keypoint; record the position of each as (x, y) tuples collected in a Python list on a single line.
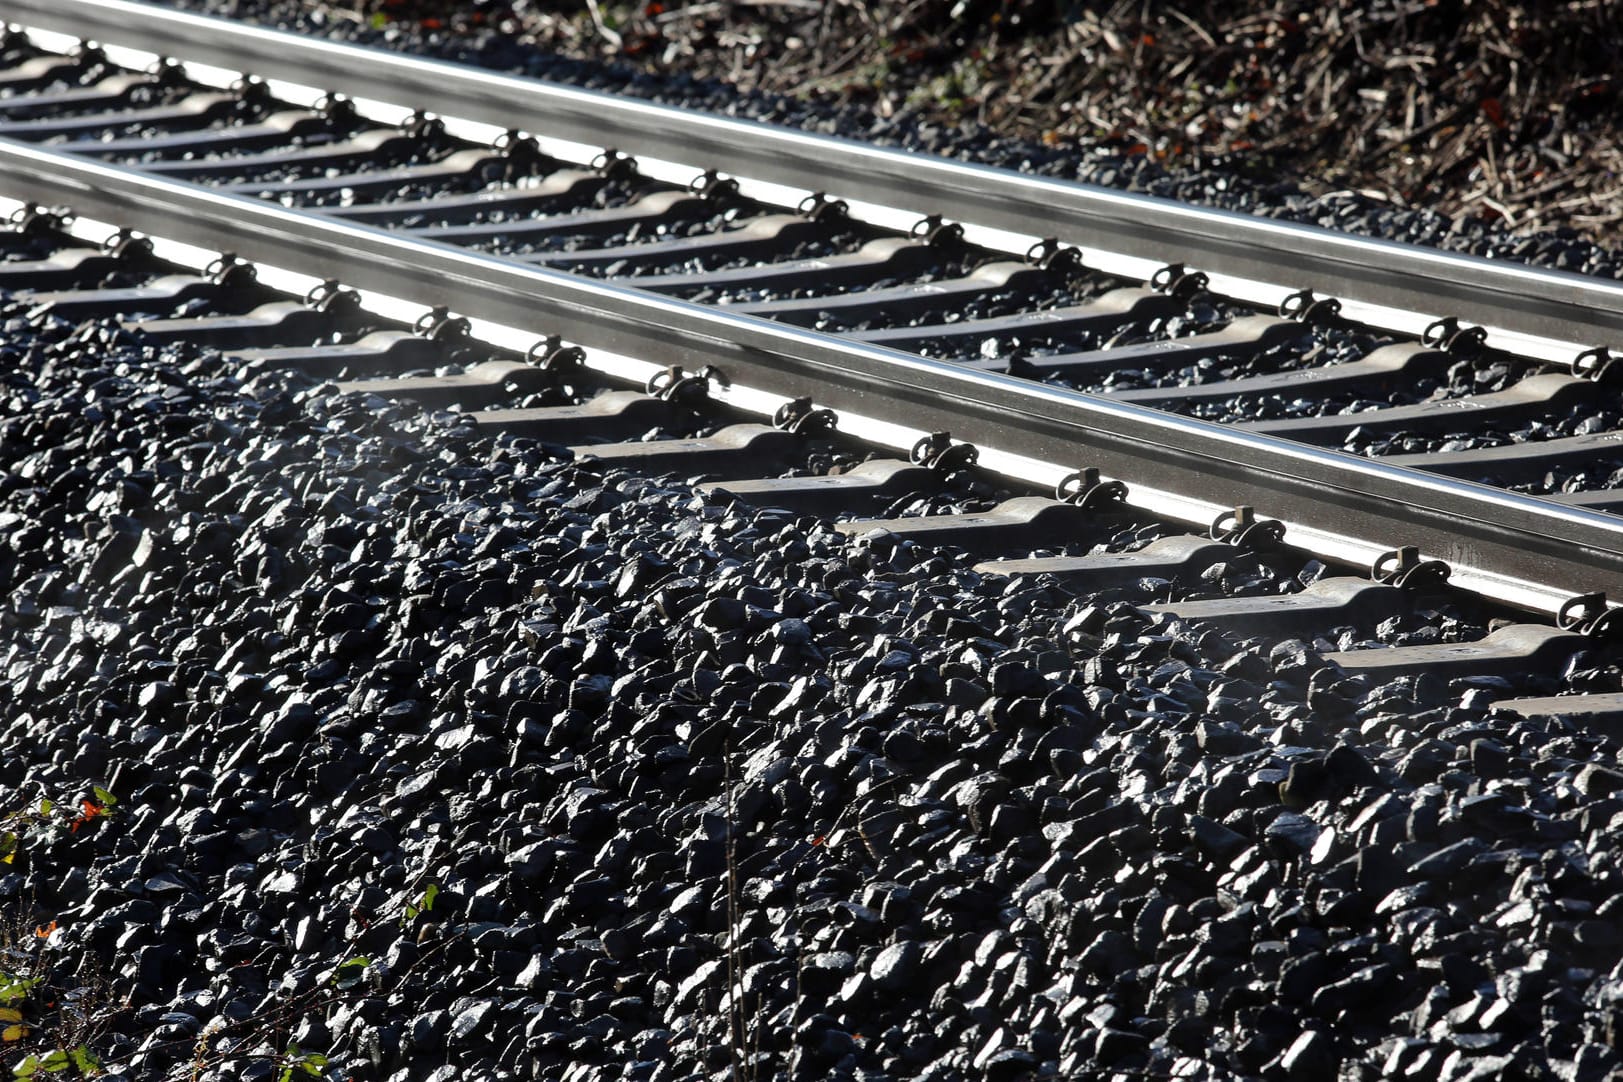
[(483, 604), (1308, 375)]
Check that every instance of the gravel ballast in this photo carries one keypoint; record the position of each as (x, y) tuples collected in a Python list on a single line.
[(443, 757), (342, 741)]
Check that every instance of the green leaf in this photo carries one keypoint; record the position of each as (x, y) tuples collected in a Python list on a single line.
[(311, 1063), (56, 1061), (46, 807), (350, 972), (424, 903), (15, 989), (103, 797), (26, 1068), (85, 1061)]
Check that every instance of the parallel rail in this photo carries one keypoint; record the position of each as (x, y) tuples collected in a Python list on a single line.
[(1527, 551), (1536, 312)]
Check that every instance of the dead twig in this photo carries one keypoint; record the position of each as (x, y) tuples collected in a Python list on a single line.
[(608, 33)]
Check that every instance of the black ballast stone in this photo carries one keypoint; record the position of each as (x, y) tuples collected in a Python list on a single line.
[(939, 845)]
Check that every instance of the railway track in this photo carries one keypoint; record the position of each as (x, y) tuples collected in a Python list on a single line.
[(1197, 547), (1076, 364), (1084, 346)]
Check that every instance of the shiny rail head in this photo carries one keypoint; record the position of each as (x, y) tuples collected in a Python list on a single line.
[(1515, 538), (1550, 314)]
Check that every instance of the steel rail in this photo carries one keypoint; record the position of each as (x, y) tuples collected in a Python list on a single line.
[(1502, 297), (1552, 551)]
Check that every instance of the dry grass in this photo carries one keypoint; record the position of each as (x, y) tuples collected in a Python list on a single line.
[(1487, 108)]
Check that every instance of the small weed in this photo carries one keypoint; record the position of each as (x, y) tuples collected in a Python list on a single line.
[(47, 821), (57, 1021), (296, 1064), (350, 973), (424, 903), (59, 1061)]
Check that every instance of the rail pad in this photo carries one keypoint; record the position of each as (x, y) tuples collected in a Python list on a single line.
[(735, 451), (1519, 648), (1178, 558), (378, 353), (483, 384), (609, 416), (1326, 603), (1026, 521), (881, 477)]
